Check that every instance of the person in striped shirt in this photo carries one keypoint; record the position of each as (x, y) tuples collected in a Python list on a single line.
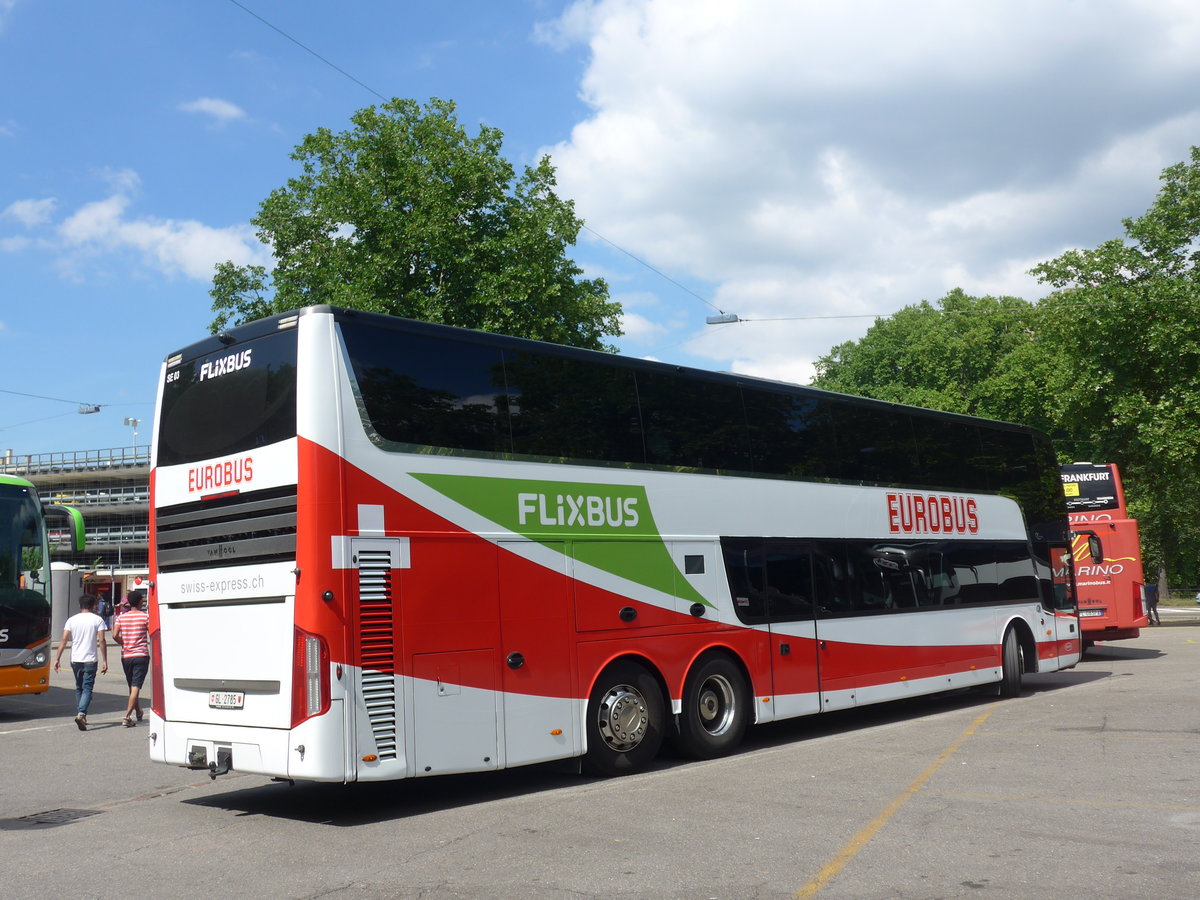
[(131, 634)]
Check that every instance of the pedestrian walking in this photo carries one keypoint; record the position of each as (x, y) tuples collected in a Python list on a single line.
[(85, 630), (1152, 604), (131, 633)]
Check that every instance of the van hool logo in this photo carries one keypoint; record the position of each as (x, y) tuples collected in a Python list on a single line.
[(577, 510), (931, 514)]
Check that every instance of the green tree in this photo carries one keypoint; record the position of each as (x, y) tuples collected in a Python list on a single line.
[(982, 356), (407, 214), (1128, 312)]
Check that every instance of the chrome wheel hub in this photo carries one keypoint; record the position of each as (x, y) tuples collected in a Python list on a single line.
[(623, 717)]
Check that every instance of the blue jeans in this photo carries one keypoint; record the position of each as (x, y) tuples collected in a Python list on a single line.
[(85, 677)]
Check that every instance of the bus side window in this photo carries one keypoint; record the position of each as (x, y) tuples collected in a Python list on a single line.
[(744, 570), (1052, 563), (789, 582), (906, 587), (1016, 576), (972, 568), (870, 591), (831, 588)]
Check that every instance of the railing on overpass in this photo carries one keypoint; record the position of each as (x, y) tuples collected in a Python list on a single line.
[(107, 534), (99, 495), (74, 461)]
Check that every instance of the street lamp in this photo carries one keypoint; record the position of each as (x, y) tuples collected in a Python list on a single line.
[(133, 423), (722, 319)]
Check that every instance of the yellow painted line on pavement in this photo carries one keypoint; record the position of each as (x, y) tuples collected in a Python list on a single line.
[(860, 840)]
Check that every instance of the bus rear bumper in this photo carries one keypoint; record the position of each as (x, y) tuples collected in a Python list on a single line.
[(312, 751)]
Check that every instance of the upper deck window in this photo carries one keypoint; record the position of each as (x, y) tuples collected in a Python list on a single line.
[(235, 399)]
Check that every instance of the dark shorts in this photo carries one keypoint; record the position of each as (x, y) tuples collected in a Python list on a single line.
[(136, 668)]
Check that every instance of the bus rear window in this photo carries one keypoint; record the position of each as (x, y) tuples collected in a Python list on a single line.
[(230, 401)]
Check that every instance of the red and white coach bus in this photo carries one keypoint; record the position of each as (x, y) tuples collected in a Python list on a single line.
[(1111, 591), (384, 549)]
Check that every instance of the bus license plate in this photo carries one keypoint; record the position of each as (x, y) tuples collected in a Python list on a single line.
[(226, 699), (1084, 613)]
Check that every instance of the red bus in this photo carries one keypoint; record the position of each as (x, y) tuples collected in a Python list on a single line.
[(387, 549), (1112, 597)]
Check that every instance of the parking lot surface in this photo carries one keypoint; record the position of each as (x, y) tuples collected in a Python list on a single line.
[(1085, 785)]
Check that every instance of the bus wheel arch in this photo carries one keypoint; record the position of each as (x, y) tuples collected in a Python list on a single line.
[(626, 719), (717, 706)]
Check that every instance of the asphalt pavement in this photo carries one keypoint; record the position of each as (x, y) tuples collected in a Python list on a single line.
[(1086, 785)]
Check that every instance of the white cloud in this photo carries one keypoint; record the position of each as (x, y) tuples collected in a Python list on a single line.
[(222, 112), (122, 181), (31, 213), (15, 244), (171, 246), (640, 328), (108, 228), (815, 159)]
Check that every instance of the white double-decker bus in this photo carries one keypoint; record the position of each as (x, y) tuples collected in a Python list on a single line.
[(385, 549)]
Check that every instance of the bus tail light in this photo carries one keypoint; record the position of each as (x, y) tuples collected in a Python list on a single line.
[(310, 677), (158, 700)]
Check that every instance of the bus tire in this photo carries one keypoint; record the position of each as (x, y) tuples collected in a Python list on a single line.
[(1013, 661), (716, 709), (625, 720)]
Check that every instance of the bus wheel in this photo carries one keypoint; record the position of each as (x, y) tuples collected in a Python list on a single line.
[(1014, 665), (716, 709), (625, 720)]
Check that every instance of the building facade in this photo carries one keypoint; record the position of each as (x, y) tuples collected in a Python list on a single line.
[(112, 490)]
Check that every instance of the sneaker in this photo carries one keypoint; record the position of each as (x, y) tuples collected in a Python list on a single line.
[(81, 721), (127, 722)]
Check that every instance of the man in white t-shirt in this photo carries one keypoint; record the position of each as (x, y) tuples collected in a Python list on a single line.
[(85, 630)]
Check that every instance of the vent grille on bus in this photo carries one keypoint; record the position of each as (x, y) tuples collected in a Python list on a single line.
[(255, 527), (376, 633)]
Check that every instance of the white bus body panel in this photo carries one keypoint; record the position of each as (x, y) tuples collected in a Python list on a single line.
[(313, 751), (202, 654)]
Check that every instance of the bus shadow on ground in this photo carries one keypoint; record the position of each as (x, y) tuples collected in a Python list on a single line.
[(1108, 651), (350, 805)]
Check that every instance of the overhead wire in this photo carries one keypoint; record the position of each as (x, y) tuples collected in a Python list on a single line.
[(308, 49), (614, 244), (960, 312), (56, 399), (376, 93), (32, 421)]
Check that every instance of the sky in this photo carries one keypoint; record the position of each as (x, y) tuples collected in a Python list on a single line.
[(805, 166)]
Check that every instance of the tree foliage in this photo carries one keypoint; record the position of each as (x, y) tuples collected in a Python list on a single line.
[(982, 356), (1129, 313), (407, 214), (1108, 364)]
